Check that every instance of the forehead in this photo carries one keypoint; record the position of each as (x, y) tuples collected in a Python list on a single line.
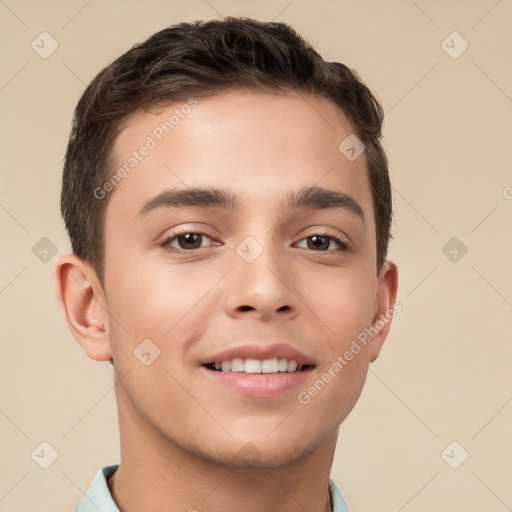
[(256, 144)]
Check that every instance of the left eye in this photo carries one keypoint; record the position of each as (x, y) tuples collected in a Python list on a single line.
[(187, 241), (323, 243)]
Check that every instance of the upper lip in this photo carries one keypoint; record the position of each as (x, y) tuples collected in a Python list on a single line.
[(259, 351)]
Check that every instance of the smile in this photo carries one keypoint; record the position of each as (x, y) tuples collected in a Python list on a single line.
[(274, 365)]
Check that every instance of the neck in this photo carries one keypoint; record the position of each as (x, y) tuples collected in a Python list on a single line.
[(156, 474)]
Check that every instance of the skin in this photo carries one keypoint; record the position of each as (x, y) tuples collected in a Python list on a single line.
[(181, 433)]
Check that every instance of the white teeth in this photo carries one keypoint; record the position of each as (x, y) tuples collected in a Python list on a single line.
[(237, 365), (292, 366), (282, 365), (252, 366), (270, 366), (273, 365)]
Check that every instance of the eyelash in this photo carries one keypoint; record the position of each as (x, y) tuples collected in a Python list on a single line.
[(344, 246)]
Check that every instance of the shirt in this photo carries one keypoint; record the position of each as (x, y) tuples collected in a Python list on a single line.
[(98, 498)]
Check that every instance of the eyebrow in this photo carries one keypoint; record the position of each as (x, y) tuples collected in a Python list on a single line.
[(315, 198)]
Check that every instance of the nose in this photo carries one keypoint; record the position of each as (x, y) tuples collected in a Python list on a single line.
[(261, 288)]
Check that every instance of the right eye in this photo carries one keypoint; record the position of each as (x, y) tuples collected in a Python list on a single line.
[(186, 241)]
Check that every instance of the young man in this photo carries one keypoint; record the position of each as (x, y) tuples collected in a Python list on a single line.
[(229, 208)]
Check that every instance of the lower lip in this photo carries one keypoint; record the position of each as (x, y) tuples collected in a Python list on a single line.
[(260, 385)]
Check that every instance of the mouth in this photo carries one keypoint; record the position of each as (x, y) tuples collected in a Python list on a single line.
[(254, 366), (259, 371)]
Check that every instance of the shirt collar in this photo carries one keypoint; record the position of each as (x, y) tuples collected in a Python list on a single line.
[(98, 498)]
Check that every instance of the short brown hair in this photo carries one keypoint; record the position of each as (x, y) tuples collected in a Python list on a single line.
[(202, 59)]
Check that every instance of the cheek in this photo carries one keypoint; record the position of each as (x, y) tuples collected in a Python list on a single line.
[(159, 303), (344, 304), (154, 299)]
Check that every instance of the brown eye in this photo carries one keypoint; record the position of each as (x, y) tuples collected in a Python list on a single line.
[(187, 241), (324, 243), (319, 242)]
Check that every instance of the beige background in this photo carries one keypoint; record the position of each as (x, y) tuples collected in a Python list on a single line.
[(445, 372)]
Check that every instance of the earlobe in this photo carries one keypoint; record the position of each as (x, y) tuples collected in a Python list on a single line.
[(82, 300), (385, 299)]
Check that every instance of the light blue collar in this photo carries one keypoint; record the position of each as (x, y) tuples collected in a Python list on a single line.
[(98, 498)]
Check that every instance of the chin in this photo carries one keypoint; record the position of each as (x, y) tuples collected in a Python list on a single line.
[(257, 454)]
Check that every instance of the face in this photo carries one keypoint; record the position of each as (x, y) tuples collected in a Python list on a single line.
[(254, 274)]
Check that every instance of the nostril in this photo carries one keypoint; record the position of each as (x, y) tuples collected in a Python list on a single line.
[(246, 308)]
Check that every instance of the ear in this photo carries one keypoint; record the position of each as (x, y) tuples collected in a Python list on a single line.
[(385, 307), (83, 301)]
